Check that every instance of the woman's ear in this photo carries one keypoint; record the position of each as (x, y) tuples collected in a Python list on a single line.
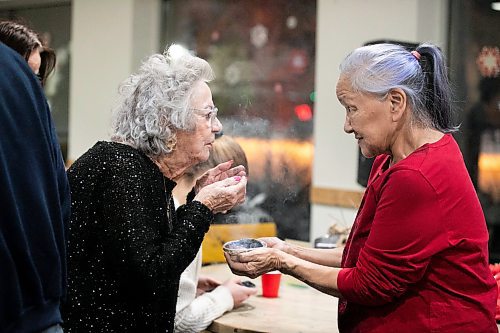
[(397, 98)]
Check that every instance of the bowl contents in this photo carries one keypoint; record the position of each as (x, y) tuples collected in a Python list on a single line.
[(242, 245)]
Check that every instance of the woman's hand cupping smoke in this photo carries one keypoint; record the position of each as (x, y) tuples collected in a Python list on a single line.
[(220, 172), (223, 195)]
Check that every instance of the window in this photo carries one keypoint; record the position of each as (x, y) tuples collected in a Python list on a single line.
[(474, 62), (53, 22), (263, 54)]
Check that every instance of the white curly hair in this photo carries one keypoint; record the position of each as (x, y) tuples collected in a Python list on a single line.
[(154, 102)]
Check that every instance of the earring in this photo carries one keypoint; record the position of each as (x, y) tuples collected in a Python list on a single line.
[(171, 144)]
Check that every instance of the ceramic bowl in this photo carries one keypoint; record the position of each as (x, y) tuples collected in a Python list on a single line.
[(242, 245)]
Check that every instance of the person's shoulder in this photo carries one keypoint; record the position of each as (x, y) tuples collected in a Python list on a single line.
[(441, 157), (408, 172), (430, 155), (111, 156), (433, 164), (115, 152), (10, 58), (17, 75), (410, 184)]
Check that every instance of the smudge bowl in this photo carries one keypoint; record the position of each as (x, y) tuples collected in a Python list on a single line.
[(242, 245)]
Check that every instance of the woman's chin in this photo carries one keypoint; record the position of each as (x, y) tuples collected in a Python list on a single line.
[(367, 153), (204, 157)]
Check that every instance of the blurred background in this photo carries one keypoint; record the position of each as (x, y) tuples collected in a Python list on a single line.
[(276, 63)]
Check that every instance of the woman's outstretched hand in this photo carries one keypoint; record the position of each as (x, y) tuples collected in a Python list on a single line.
[(220, 172), (256, 262), (275, 243), (239, 292)]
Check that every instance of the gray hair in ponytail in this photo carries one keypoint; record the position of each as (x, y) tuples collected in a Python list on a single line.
[(378, 68)]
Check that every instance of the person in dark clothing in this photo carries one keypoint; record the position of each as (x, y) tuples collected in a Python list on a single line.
[(484, 117), (128, 245), (483, 125), (29, 44), (34, 204)]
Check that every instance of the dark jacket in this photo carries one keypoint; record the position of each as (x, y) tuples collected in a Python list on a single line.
[(34, 203), (128, 246)]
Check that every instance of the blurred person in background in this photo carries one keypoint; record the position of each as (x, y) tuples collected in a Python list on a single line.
[(416, 259), (483, 129), (127, 244), (34, 204), (202, 299), (484, 117), (29, 45), (249, 211)]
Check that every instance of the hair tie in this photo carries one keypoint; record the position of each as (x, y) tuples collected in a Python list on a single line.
[(416, 55)]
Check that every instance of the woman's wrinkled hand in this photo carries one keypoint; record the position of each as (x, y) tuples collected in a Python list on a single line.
[(256, 262), (275, 243), (220, 172), (223, 195)]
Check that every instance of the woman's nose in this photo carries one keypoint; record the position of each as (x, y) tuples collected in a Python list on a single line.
[(347, 125), (216, 125)]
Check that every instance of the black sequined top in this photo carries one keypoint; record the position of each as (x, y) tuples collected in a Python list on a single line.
[(127, 245)]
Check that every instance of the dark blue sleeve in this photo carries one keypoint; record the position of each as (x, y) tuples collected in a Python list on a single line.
[(34, 202)]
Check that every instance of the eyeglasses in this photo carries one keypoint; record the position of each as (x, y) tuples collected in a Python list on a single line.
[(210, 115)]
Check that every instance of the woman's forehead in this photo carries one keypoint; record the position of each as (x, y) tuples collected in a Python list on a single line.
[(344, 89), (201, 90)]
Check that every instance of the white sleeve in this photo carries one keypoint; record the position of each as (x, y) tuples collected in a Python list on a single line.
[(200, 313), (188, 283)]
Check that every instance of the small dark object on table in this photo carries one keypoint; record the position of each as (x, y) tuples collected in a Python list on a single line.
[(248, 284)]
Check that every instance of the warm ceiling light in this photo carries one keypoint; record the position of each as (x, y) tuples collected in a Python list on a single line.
[(495, 5)]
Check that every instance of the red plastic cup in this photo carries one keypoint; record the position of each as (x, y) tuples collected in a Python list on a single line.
[(271, 284)]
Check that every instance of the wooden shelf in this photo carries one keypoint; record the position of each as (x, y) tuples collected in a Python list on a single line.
[(336, 197)]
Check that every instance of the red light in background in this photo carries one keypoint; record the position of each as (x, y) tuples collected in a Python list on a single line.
[(303, 112)]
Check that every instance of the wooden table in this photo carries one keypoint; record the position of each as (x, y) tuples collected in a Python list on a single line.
[(299, 308)]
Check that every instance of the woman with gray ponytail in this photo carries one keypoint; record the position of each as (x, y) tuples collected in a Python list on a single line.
[(127, 245), (417, 258)]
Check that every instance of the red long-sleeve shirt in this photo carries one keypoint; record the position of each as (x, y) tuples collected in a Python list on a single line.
[(417, 256)]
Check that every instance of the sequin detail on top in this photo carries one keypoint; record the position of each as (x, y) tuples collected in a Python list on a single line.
[(124, 261)]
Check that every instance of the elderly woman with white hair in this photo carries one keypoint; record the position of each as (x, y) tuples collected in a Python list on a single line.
[(127, 244)]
